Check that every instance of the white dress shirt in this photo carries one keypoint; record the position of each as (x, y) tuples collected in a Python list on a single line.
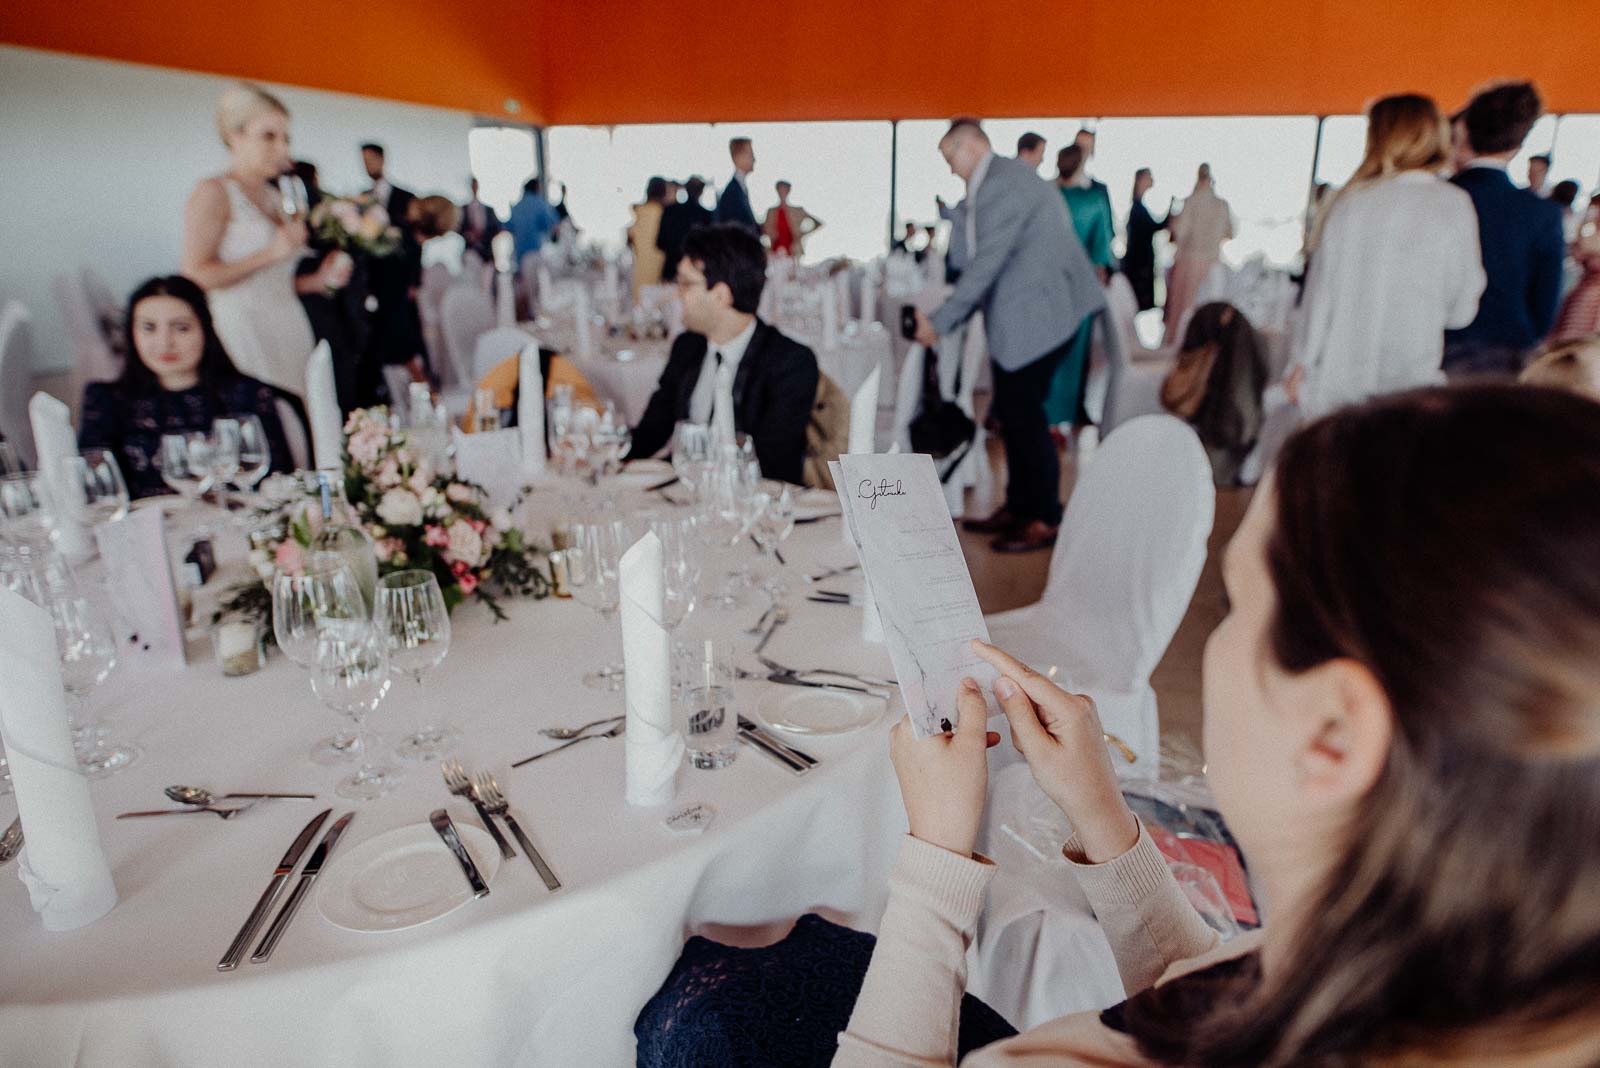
[(380, 191), (712, 400)]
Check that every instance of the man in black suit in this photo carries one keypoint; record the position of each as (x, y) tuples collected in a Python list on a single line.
[(479, 224), (394, 199), (396, 336), (1520, 234), (734, 204), (676, 222), (729, 369)]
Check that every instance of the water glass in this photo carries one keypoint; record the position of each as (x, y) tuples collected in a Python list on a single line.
[(187, 464), (708, 712), (681, 561), (325, 596), (411, 616), (94, 478), (691, 453), (485, 413), (351, 676)]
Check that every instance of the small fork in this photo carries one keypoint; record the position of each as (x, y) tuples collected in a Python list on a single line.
[(485, 787), (457, 782)]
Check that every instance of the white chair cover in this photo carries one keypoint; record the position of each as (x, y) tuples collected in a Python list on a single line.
[(322, 408), (830, 316), (492, 348), (1279, 419), (16, 380), (864, 414), (869, 296), (92, 358), (1133, 387), (466, 314), (908, 395), (530, 410)]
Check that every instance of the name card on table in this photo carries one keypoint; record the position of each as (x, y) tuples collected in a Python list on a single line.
[(139, 580), (492, 459), (895, 510)]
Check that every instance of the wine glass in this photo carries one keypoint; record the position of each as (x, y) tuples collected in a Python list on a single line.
[(681, 560), (187, 465), (325, 596), (593, 562), (772, 527), (351, 676), (255, 452), (292, 197), (224, 443), (94, 478), (22, 507), (411, 616), (691, 453)]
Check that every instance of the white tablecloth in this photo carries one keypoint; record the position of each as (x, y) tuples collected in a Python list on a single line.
[(520, 978)]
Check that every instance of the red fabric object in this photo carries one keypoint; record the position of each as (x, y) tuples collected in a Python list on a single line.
[(1220, 860), (783, 233)]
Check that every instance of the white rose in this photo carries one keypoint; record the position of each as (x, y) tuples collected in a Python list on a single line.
[(434, 504), (459, 492), (400, 508), (465, 544)]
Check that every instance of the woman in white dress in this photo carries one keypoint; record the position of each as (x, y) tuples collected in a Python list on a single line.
[(1397, 264), (1198, 232), (241, 250)]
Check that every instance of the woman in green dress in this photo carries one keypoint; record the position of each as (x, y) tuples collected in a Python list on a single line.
[(1090, 209)]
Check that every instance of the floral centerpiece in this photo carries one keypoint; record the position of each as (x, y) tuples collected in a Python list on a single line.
[(355, 224)]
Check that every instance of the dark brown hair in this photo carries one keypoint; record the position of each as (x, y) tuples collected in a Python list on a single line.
[(216, 370), (1448, 540), (1498, 119)]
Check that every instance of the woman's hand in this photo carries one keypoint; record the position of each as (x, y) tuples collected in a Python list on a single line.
[(944, 779), (1060, 736), (287, 242), (335, 271)]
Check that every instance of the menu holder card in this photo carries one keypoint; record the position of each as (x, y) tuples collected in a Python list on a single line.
[(140, 583), (492, 459), (911, 558)]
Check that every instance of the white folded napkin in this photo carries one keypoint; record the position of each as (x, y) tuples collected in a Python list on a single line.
[(54, 440), (830, 317), (530, 410), (322, 408), (864, 414), (653, 747), (583, 314), (63, 865), (505, 300), (492, 459)]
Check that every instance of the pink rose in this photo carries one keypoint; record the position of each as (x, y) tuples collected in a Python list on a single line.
[(388, 548), (459, 568), (436, 537), (290, 558), (468, 583), (479, 525)]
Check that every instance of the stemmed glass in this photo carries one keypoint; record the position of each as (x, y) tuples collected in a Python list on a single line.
[(730, 504), (255, 452), (692, 453), (680, 559), (22, 507), (303, 606), (593, 561), (411, 616), (773, 525), (225, 437), (351, 676), (187, 465), (95, 479)]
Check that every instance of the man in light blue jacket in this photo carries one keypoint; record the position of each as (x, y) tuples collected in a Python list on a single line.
[(1028, 273)]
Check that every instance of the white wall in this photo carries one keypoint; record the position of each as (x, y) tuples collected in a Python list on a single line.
[(100, 156)]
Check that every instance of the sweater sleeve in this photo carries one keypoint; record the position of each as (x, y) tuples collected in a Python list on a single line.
[(1142, 909), (909, 1005)]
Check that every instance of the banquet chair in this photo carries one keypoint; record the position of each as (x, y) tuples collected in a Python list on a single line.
[(16, 379), (1133, 386), (322, 409), (92, 358), (493, 347), (466, 313), (108, 310), (908, 395)]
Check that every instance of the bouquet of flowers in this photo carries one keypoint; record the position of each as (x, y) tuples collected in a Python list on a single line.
[(355, 224)]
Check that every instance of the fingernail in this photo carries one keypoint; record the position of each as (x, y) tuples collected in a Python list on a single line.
[(971, 684), (1005, 688)]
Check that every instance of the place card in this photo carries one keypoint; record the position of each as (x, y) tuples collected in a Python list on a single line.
[(895, 511), (139, 581)]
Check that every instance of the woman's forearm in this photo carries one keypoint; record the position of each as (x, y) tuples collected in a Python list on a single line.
[(219, 274)]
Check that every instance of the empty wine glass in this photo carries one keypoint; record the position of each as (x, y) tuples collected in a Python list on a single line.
[(351, 676), (10, 462), (255, 452), (325, 596), (681, 561), (411, 616), (187, 465), (95, 480), (22, 507), (224, 443), (691, 453), (773, 525), (593, 561)]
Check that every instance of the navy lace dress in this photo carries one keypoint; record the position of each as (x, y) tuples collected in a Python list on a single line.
[(132, 426), (779, 1005)]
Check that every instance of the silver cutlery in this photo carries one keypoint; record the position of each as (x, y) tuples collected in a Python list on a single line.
[(761, 623), (777, 554), (193, 810), (831, 572), (779, 617), (785, 679), (817, 518), (782, 669), (831, 595), (771, 750), (11, 842), (457, 782), (612, 733), (447, 830), (485, 787), (200, 796), (230, 959), (750, 725), (308, 875), (561, 734)]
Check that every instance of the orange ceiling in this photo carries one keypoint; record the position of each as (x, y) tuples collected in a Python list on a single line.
[(569, 62)]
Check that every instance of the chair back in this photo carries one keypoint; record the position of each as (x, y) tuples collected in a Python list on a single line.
[(864, 414), (92, 358), (908, 395), (494, 347), (466, 313), (16, 380)]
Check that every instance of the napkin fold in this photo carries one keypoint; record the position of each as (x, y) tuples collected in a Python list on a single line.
[(864, 414), (653, 748), (54, 440), (63, 864), (530, 410), (322, 408)]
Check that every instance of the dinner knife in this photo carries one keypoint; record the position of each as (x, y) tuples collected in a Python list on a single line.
[(774, 752), (746, 724), (447, 830), (789, 680), (308, 875), (230, 959)]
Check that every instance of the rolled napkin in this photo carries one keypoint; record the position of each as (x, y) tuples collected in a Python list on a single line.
[(322, 408), (583, 321), (652, 746), (54, 440), (63, 864), (864, 414), (530, 410)]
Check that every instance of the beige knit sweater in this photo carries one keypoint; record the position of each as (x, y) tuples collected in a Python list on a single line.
[(907, 1010)]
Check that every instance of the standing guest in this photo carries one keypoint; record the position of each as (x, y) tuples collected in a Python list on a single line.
[(1539, 175), (734, 204), (338, 316), (396, 336), (532, 219), (177, 380), (1198, 232), (676, 223), (1563, 195), (240, 249), (1091, 221), (644, 233), (930, 243), (905, 241), (400, 327), (479, 224), (1520, 235), (674, 191), (395, 200), (1029, 275), (1030, 149), (1085, 140), (1139, 261), (1397, 263), (729, 369), (787, 225), (1580, 312)]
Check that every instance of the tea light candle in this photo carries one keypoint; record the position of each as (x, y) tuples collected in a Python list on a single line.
[(238, 647)]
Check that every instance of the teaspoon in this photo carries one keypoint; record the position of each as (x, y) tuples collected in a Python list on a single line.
[(200, 797)]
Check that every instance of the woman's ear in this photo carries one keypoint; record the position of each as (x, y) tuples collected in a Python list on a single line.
[(1348, 725)]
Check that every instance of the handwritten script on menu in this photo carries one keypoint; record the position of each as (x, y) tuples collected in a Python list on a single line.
[(914, 568)]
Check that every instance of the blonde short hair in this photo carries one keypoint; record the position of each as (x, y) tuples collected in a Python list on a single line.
[(1570, 365), (242, 102)]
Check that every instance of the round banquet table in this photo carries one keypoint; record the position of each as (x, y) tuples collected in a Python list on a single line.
[(521, 977)]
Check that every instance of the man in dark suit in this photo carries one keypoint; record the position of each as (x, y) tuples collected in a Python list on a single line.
[(734, 204), (676, 222), (1520, 234), (396, 335), (479, 224), (394, 199), (729, 369)]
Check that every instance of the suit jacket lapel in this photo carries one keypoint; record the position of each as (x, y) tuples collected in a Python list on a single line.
[(691, 375), (747, 366)]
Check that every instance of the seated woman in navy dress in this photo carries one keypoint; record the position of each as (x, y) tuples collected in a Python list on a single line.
[(177, 379)]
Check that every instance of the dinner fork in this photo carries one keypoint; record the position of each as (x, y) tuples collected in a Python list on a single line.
[(484, 785), (612, 733), (780, 616), (457, 782), (561, 734)]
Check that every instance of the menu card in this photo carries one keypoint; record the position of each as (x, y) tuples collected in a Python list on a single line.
[(895, 510), (139, 580)]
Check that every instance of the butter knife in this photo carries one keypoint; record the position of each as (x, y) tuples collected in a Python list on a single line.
[(783, 679), (746, 724), (447, 830), (230, 959), (308, 875), (771, 750)]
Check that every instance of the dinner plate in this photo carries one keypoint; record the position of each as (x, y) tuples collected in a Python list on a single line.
[(404, 878), (804, 710)]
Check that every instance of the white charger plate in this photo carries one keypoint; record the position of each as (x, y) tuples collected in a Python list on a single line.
[(804, 710), (404, 878)]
